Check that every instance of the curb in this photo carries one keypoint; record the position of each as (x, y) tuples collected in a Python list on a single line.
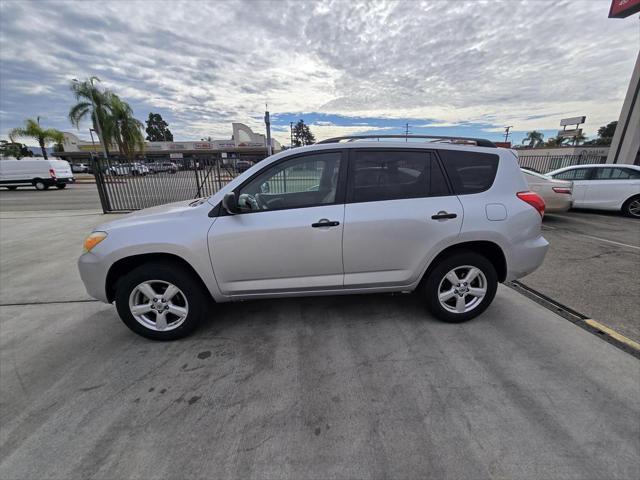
[(589, 324)]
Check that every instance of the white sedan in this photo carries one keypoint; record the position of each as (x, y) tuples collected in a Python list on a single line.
[(555, 193), (604, 187)]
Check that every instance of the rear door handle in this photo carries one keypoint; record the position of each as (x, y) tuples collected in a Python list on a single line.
[(442, 215), (325, 223)]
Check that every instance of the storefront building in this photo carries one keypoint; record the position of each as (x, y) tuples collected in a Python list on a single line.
[(243, 145)]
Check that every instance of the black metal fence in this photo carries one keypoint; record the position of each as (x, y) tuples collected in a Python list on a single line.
[(547, 163), (127, 186)]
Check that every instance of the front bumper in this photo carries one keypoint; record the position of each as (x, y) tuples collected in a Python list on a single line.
[(93, 273)]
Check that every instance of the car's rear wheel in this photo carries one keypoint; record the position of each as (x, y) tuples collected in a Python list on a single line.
[(12, 188), (460, 287), (631, 207), (40, 185), (161, 301), (61, 186)]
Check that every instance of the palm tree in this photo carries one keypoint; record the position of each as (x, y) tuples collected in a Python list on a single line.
[(534, 138), (579, 138), (556, 141), (33, 129), (93, 103), (127, 130)]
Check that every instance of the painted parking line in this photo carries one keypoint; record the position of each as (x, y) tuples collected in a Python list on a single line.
[(612, 333), (610, 241), (592, 237)]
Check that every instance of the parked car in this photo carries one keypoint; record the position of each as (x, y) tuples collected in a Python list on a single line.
[(79, 168), (450, 221), (41, 174), (243, 165), (555, 193), (128, 169), (604, 187), (158, 167)]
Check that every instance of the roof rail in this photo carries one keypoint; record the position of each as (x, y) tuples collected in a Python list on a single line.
[(480, 142)]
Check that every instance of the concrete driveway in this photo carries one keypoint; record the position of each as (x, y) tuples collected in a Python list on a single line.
[(332, 387)]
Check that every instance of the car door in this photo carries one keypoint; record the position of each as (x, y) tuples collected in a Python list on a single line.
[(581, 178), (288, 234), (609, 187), (390, 229)]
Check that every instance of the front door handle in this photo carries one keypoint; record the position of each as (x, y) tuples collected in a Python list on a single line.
[(325, 223), (442, 215)]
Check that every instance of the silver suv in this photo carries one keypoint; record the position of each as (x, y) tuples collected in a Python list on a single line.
[(446, 218)]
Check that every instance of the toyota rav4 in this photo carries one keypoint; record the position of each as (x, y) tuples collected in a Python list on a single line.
[(448, 218)]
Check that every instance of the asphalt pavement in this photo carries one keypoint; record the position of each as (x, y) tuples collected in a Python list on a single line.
[(593, 267), (332, 387), (81, 196)]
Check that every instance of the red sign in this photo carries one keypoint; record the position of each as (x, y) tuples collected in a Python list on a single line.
[(623, 8)]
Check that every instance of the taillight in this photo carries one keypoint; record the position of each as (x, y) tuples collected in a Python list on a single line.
[(52, 173), (534, 200), (562, 190)]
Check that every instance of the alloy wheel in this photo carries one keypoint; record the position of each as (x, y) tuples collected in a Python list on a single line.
[(158, 305), (462, 289)]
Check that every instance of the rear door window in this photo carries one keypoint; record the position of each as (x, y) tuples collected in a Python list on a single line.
[(613, 173), (469, 172), (574, 174), (379, 175)]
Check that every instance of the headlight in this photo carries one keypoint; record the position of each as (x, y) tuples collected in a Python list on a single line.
[(92, 240)]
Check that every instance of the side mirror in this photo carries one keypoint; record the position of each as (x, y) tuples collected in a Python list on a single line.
[(230, 203)]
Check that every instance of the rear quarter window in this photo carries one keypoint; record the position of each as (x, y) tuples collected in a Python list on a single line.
[(469, 172)]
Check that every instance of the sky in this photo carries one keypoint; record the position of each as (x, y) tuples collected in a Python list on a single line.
[(345, 67)]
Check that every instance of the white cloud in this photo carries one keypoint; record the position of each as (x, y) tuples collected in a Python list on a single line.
[(204, 65)]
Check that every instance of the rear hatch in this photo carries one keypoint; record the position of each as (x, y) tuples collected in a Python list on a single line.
[(61, 168)]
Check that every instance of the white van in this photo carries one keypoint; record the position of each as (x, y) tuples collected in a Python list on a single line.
[(41, 174)]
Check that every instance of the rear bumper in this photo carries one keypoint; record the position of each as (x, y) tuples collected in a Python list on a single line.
[(526, 257), (59, 181)]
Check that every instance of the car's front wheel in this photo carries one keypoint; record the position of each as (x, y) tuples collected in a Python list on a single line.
[(460, 287), (161, 301), (61, 186)]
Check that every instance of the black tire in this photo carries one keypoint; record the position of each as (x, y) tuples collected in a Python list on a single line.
[(40, 185), (12, 188), (436, 275), (630, 207), (169, 272), (61, 186)]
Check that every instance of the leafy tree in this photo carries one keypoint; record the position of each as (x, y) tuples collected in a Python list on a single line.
[(302, 134), (534, 138), (33, 129), (93, 103), (127, 130), (605, 135), (607, 131), (157, 129), (14, 149)]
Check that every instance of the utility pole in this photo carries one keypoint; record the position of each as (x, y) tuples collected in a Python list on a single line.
[(267, 123), (506, 133), (406, 132)]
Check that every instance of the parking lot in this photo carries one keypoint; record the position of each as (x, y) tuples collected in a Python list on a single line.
[(349, 387)]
